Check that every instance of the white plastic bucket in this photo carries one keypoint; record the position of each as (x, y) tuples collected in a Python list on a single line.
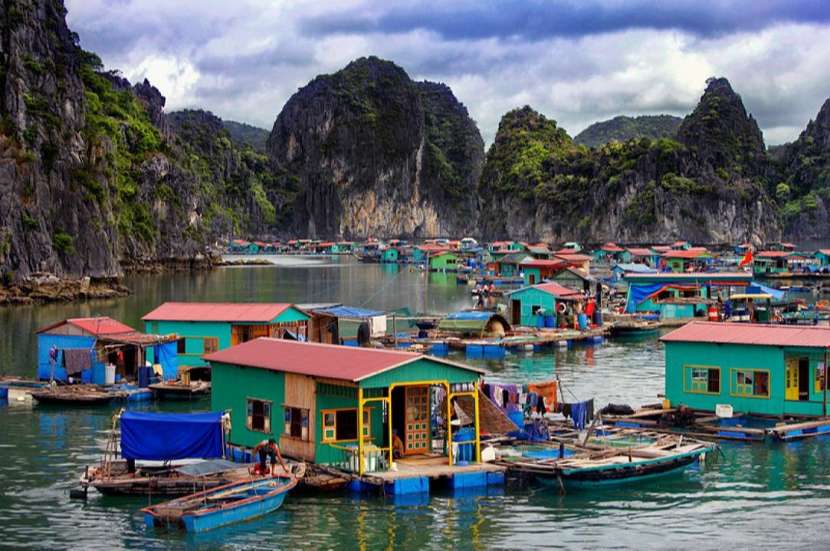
[(109, 374)]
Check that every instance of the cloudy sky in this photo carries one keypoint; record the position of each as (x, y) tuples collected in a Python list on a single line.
[(576, 61)]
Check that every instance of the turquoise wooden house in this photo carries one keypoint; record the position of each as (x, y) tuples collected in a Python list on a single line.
[(542, 305), (510, 265), (342, 247), (823, 257), (770, 263), (389, 255), (444, 262), (757, 369), (340, 406), (537, 270), (680, 296), (206, 327)]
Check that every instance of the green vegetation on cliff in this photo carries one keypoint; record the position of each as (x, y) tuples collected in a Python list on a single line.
[(623, 128)]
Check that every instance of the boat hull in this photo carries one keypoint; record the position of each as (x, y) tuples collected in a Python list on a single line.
[(636, 472), (224, 517)]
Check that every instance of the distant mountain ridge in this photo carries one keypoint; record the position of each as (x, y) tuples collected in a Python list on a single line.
[(623, 128), (246, 134)]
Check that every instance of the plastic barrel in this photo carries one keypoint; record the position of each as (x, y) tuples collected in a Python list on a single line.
[(583, 322), (98, 374), (144, 373), (550, 321), (4, 393)]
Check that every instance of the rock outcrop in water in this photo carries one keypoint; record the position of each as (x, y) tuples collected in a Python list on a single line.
[(538, 184), (374, 153)]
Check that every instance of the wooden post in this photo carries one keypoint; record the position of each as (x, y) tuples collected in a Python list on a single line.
[(478, 430), (824, 404), (360, 431), (449, 424), (389, 424), (395, 329)]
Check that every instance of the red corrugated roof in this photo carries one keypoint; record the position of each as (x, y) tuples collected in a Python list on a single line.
[(433, 248), (640, 252), (574, 257), (751, 334), (98, 326), (661, 248), (612, 248), (773, 254), (679, 243), (543, 263), (251, 312), (824, 251), (557, 290), (318, 360)]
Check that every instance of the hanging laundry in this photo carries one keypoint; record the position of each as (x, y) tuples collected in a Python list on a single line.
[(546, 389), (76, 360), (581, 413)]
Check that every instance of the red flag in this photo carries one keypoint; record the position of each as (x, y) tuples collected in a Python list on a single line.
[(747, 259)]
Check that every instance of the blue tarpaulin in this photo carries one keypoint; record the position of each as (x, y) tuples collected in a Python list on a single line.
[(637, 294), (756, 287), (165, 354), (350, 312), (166, 436)]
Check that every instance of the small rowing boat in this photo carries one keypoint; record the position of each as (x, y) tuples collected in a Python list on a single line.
[(223, 505), (82, 395), (615, 465), (177, 390)]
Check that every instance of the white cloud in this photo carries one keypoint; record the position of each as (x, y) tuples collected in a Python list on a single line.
[(243, 61)]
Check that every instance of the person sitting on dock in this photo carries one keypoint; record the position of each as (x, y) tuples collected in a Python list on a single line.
[(265, 449)]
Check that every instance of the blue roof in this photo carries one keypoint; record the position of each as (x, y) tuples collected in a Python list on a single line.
[(350, 312), (470, 315)]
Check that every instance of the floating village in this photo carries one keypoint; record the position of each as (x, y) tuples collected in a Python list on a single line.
[(298, 399)]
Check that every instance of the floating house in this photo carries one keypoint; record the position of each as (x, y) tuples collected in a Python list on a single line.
[(444, 262), (389, 255), (81, 348), (576, 260), (341, 406), (766, 263), (542, 305), (610, 251), (422, 253), (536, 270), (510, 265), (639, 255), (474, 323), (573, 278), (348, 320), (342, 247), (823, 257), (206, 327), (681, 260), (757, 369), (680, 296), (619, 270)]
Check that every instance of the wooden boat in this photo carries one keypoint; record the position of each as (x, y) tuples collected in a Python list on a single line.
[(77, 395), (176, 390), (615, 466), (114, 478), (223, 505)]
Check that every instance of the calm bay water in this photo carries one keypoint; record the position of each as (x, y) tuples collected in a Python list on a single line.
[(755, 496)]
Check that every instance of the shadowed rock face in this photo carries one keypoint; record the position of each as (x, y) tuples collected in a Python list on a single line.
[(538, 184), (378, 154), (805, 169)]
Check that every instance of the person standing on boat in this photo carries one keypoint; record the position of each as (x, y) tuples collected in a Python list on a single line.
[(265, 449)]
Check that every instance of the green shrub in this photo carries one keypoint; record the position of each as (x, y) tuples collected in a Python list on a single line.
[(63, 242)]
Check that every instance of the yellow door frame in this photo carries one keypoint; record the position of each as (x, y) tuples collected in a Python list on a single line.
[(474, 395)]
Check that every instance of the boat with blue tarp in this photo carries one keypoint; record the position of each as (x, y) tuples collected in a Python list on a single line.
[(169, 454)]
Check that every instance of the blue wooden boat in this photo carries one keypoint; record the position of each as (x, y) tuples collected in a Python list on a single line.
[(223, 505)]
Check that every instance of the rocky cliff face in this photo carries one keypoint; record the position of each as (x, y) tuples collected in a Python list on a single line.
[(373, 153), (538, 184), (803, 184), (93, 175)]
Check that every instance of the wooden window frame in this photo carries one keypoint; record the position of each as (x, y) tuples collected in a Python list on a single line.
[(288, 417), (738, 393), (249, 424), (819, 377), (689, 389), (210, 345), (367, 425)]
